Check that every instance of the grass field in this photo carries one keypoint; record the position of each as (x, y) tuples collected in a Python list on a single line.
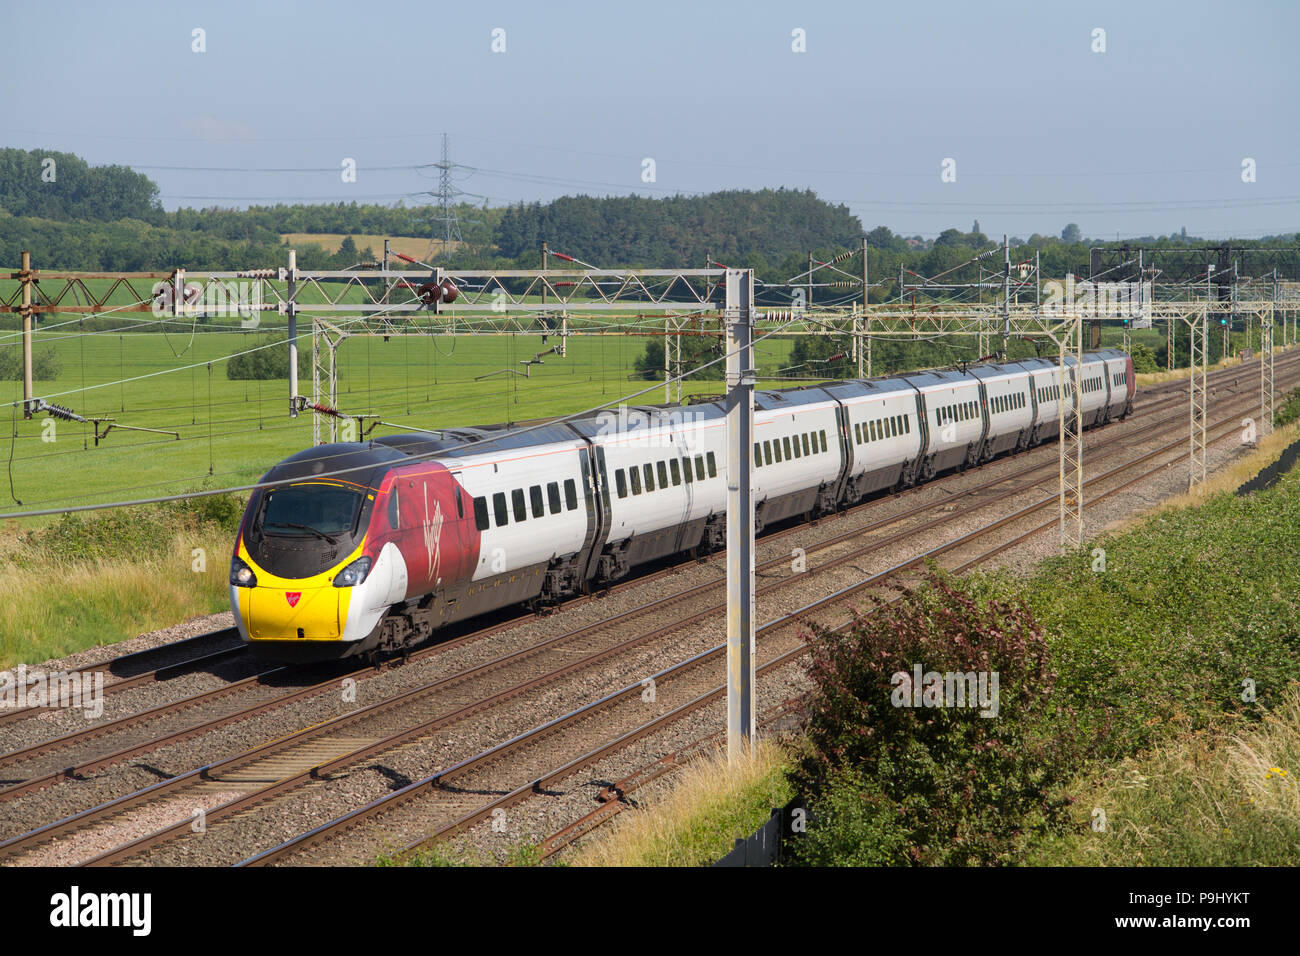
[(411, 246), (231, 431)]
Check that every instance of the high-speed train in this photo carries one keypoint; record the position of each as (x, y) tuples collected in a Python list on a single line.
[(369, 546)]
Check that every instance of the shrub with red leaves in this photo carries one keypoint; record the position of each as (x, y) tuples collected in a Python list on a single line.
[(963, 783)]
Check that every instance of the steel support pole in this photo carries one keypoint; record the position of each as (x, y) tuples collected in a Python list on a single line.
[(291, 305), (315, 373), (668, 375), (866, 315), (1006, 297), (28, 403), (740, 512)]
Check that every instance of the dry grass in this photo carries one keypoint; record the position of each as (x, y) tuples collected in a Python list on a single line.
[(1177, 375), (695, 817), (52, 607), (1206, 800), (1268, 450), (414, 247)]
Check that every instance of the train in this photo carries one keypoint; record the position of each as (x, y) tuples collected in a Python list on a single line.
[(370, 547)]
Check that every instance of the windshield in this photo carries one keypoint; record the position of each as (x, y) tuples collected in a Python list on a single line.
[(310, 508)]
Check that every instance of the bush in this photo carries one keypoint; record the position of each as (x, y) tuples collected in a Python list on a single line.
[(856, 825), (143, 531), (268, 362), (46, 365), (1144, 360), (948, 785)]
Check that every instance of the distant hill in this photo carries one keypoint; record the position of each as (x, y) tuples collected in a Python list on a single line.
[(730, 226)]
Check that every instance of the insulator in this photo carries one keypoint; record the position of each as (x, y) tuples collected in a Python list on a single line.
[(58, 411)]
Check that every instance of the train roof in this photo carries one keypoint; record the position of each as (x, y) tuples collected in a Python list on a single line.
[(995, 369), (936, 377), (363, 463), (629, 419), (464, 442), (869, 387), (778, 399)]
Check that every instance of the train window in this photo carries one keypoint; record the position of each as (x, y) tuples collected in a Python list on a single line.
[(907, 424), (649, 472), (713, 466), (797, 452), (687, 473), (777, 444), (767, 452), (635, 474), (480, 513), (857, 433), (553, 495), (676, 469), (499, 508), (539, 506), (785, 442), (393, 516), (663, 475), (521, 508), (823, 435), (699, 467), (804, 439), (570, 494), (758, 455), (460, 507), (620, 481)]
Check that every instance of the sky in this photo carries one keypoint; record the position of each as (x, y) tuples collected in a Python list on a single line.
[(1042, 127)]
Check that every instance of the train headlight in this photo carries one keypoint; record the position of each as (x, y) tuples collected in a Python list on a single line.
[(353, 574), (241, 575)]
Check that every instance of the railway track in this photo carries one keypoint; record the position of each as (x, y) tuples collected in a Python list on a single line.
[(60, 759), (367, 746), (461, 776), (135, 669), (232, 646), (323, 761), (58, 767)]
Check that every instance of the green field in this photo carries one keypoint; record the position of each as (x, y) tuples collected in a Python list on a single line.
[(232, 431)]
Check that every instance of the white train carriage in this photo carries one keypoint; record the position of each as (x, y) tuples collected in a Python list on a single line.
[(1008, 406), (885, 433), (531, 496), (662, 483), (1120, 384), (1092, 386), (1048, 395), (798, 459), (952, 403)]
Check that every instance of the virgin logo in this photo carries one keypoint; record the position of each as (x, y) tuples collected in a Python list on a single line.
[(292, 597), (431, 529)]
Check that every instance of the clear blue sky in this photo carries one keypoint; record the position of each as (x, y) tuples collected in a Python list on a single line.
[(1146, 137)]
